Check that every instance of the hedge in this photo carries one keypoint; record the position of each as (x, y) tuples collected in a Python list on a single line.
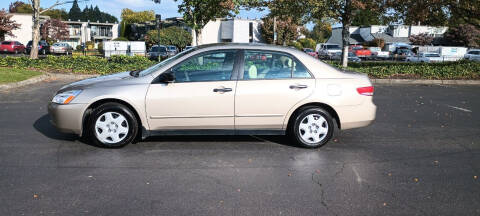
[(444, 70), (93, 65), (79, 64)]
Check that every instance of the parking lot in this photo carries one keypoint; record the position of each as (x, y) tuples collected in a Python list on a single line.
[(420, 157)]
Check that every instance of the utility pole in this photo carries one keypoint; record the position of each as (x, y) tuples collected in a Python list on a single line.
[(158, 20)]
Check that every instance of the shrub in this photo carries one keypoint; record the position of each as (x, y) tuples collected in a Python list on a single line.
[(79, 64), (78, 48), (308, 43), (445, 70), (120, 39)]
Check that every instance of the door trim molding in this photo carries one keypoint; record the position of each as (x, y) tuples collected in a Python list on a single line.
[(204, 116)]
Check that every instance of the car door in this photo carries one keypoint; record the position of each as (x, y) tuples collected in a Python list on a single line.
[(201, 97), (270, 84)]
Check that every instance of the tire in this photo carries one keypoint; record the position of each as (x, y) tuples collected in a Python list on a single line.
[(301, 124), (119, 120)]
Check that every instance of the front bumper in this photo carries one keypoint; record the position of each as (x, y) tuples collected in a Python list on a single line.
[(67, 118)]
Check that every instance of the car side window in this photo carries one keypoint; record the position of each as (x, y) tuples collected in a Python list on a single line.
[(272, 65), (212, 66)]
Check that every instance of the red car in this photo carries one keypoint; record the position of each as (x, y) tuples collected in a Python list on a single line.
[(359, 51), (12, 47), (310, 52)]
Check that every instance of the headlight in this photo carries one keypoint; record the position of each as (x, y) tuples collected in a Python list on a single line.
[(66, 97)]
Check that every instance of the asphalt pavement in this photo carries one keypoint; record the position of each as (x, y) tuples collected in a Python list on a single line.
[(420, 157)]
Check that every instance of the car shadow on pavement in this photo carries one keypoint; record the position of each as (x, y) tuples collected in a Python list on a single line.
[(280, 140), (44, 126)]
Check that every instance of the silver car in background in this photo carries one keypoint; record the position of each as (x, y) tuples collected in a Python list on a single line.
[(61, 48), (229, 89)]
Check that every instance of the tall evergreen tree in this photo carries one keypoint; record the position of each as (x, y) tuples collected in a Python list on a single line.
[(97, 14), (75, 12)]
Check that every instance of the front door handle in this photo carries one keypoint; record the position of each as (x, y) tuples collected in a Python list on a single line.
[(222, 90), (298, 86)]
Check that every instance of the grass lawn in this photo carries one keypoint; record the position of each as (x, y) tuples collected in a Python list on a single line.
[(8, 75)]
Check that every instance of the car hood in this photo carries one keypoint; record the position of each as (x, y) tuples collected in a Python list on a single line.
[(104, 80)]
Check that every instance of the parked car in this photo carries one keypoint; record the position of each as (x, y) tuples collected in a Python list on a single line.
[(425, 57), (328, 50), (172, 50), (378, 53), (311, 52), (43, 47), (351, 57), (218, 89), (188, 47), (157, 52), (12, 47), (360, 52), (473, 54), (61, 48)]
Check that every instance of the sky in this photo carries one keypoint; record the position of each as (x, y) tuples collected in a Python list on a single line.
[(168, 8)]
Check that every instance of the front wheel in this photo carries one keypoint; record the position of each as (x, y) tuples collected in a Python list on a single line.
[(312, 127), (112, 125)]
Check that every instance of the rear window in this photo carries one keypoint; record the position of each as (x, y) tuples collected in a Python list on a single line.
[(333, 47), (157, 49), (6, 43)]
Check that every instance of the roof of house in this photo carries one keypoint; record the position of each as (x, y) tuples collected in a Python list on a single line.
[(336, 37), (390, 39)]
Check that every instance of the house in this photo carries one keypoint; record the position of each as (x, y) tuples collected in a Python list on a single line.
[(393, 35), (234, 30), (24, 33), (80, 32)]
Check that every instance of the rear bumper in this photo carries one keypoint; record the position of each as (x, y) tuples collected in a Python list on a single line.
[(67, 118), (357, 116)]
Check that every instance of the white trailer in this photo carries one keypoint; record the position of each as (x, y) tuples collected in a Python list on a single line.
[(129, 48)]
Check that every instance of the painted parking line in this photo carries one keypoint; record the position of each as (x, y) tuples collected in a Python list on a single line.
[(459, 108)]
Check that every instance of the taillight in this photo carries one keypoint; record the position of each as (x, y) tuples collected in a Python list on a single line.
[(367, 91)]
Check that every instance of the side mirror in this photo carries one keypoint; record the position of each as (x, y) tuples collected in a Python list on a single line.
[(167, 77)]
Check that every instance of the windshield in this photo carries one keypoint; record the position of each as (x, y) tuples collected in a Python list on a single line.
[(158, 49), (351, 54), (165, 62), (172, 48), (308, 50), (333, 47), (432, 55)]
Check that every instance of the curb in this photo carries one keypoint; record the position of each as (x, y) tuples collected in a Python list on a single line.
[(44, 77), (424, 82)]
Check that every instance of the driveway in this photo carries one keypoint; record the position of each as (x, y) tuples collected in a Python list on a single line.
[(420, 157)]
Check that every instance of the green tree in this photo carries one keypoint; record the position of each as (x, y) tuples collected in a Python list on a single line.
[(308, 43), (463, 35), (129, 16), (321, 31), (75, 12), (174, 35), (287, 30), (424, 12)]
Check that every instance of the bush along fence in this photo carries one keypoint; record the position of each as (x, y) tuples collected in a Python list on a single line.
[(79, 64), (97, 65), (402, 70)]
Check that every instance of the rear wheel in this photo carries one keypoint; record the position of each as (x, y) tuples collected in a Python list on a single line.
[(112, 125), (312, 127)]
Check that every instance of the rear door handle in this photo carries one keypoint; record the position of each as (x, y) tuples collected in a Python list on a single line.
[(222, 90), (298, 86)]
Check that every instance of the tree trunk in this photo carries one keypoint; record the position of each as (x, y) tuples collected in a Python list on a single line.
[(35, 29), (346, 32), (345, 44), (198, 36)]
